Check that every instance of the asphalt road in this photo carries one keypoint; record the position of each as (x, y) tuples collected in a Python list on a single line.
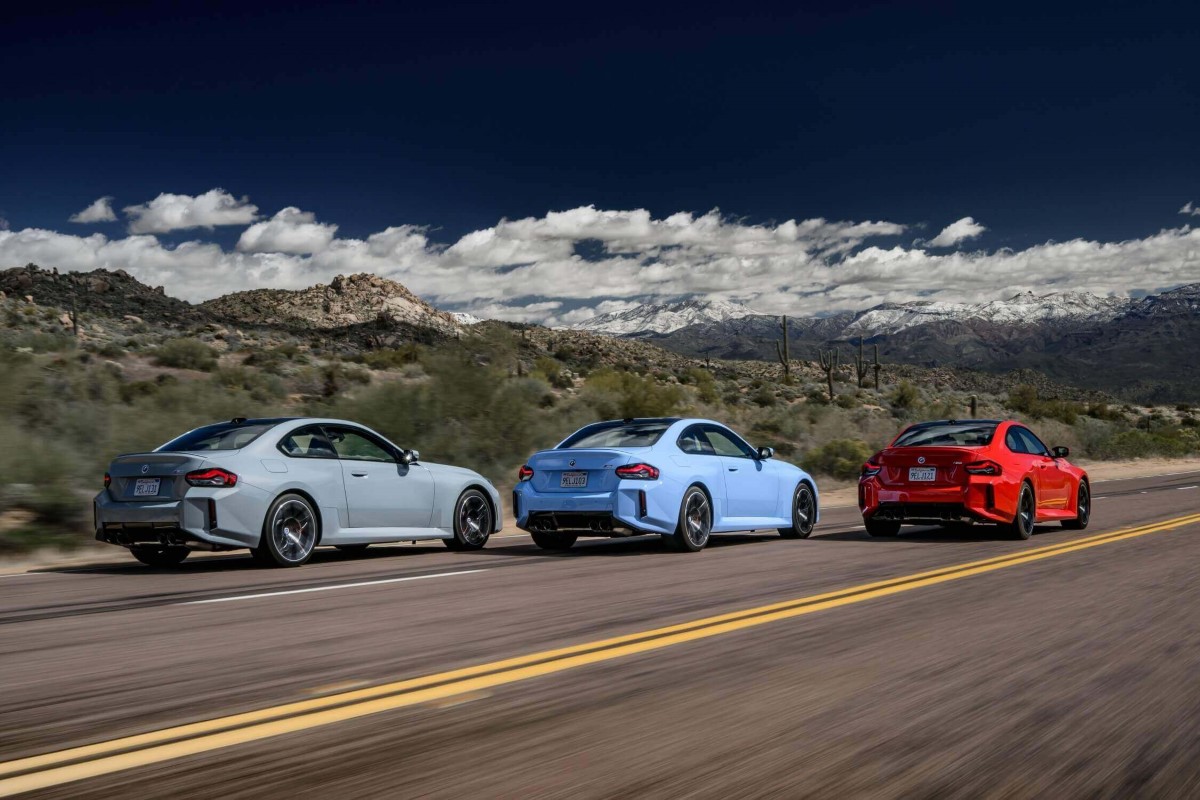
[(838, 666)]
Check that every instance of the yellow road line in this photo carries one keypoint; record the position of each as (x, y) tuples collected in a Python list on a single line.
[(102, 758)]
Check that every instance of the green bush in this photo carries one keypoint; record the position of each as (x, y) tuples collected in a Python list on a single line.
[(618, 395), (186, 354), (840, 458), (905, 395)]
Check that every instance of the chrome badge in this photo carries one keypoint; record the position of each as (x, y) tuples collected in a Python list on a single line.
[(921, 460), (572, 463), (145, 468)]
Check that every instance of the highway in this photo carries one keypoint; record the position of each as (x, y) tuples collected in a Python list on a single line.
[(942, 663)]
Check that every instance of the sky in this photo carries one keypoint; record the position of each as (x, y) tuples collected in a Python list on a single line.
[(549, 162)]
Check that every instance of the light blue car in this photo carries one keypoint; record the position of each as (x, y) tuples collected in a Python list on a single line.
[(683, 479)]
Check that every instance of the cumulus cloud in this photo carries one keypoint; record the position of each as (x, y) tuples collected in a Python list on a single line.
[(1190, 210), (176, 212), (567, 266), (289, 231), (955, 232), (99, 211)]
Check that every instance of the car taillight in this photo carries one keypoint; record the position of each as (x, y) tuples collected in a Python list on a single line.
[(870, 470), (525, 473), (107, 480), (211, 477), (638, 472), (982, 468)]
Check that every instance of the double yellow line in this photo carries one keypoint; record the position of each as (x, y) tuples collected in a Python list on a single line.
[(102, 758)]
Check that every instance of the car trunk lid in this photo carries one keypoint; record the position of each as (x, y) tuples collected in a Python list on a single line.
[(168, 469), (597, 467), (925, 466)]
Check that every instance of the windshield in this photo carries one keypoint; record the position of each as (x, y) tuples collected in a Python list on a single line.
[(617, 434), (222, 436), (948, 434)]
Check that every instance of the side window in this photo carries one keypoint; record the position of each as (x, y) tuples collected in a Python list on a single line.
[(693, 441), (1013, 442), (727, 443), (1033, 444), (355, 445), (309, 442)]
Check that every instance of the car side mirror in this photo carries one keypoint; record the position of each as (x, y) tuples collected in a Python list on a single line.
[(1061, 452), (765, 452), (409, 456)]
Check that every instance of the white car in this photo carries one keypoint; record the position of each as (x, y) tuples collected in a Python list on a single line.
[(283, 487)]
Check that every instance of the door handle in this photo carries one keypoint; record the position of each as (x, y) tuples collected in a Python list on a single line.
[(359, 474), (733, 469)]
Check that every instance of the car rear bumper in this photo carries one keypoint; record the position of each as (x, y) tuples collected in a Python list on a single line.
[(204, 519), (633, 508), (977, 501)]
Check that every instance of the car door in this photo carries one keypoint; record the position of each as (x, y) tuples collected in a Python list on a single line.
[(1053, 485), (751, 489), (316, 464), (381, 490)]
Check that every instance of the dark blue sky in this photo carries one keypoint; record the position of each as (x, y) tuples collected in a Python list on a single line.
[(1043, 122)]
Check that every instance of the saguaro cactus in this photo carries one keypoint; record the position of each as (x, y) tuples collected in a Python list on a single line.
[(974, 406), (829, 363), (783, 351), (861, 367), (877, 367)]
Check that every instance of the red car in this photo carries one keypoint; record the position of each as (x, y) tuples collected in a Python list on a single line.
[(971, 470)]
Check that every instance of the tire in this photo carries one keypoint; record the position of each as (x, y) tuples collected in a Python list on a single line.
[(160, 556), (290, 532), (472, 521), (553, 541), (882, 528), (353, 549), (1083, 508), (695, 521), (804, 513), (1022, 525)]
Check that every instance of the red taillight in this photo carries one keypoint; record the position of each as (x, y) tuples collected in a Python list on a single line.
[(525, 473), (982, 468), (638, 472), (870, 470), (107, 480), (211, 477)]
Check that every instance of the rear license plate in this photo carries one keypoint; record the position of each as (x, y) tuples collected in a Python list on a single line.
[(573, 480), (922, 473), (146, 487)]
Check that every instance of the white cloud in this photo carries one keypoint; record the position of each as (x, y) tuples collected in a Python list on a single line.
[(534, 269), (1190, 209), (289, 231), (955, 232), (99, 211), (175, 212)]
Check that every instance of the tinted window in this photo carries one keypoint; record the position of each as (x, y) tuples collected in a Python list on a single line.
[(727, 443), (222, 436), (621, 434), (947, 434), (695, 442), (1033, 444), (357, 446), (309, 442)]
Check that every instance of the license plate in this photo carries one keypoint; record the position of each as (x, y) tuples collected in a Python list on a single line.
[(922, 473), (146, 487), (573, 480)]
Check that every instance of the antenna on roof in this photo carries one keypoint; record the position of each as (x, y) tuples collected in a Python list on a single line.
[(238, 420)]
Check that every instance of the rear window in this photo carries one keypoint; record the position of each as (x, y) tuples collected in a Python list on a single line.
[(222, 436), (624, 434), (948, 434)]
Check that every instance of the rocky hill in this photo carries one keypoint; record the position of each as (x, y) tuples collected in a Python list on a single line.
[(347, 301), (102, 292)]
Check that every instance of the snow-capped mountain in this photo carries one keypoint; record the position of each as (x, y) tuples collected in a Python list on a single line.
[(463, 318), (1025, 308), (657, 319)]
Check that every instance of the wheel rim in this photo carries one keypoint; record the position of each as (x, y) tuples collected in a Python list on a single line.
[(293, 530), (804, 510), (1083, 504), (1026, 510), (697, 524), (474, 519)]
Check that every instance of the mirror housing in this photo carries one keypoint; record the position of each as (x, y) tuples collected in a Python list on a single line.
[(409, 456), (765, 452), (1060, 451)]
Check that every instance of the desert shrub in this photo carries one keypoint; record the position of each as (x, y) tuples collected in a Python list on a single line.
[(553, 373), (617, 395), (1025, 399), (840, 458), (186, 354), (763, 397), (904, 396)]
